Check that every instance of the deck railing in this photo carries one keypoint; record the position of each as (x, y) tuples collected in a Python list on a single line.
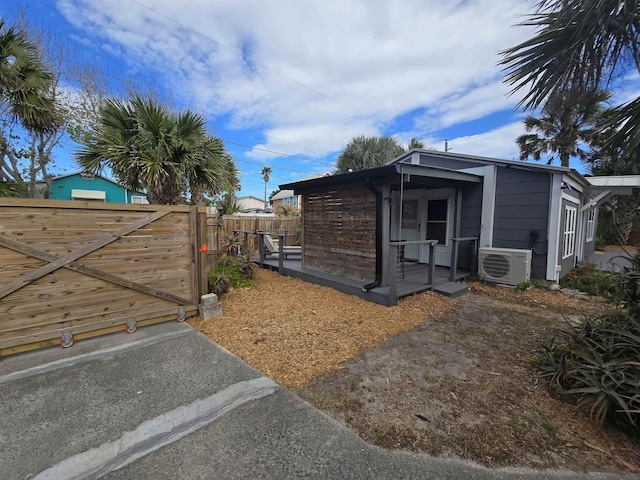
[(465, 251), (398, 264)]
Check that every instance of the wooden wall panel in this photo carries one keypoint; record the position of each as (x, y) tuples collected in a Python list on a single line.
[(146, 272), (339, 231)]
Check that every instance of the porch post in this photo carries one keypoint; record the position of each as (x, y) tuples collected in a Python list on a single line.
[(393, 273), (488, 206), (456, 229), (261, 247), (281, 254), (432, 262)]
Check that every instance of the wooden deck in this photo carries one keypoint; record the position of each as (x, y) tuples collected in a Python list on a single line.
[(414, 280)]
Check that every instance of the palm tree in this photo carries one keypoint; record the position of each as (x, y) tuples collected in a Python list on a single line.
[(266, 172), (367, 152), (580, 45), (566, 122), (147, 146), (24, 81), (415, 143)]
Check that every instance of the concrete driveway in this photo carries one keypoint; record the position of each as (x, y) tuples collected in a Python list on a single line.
[(168, 403)]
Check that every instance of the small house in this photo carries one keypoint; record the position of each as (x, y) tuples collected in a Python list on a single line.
[(93, 187), (250, 204), (289, 199), (429, 218)]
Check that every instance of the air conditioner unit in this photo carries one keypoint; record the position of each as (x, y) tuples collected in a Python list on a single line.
[(504, 265)]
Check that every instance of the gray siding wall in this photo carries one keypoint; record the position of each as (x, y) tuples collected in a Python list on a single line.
[(471, 210), (522, 206), (470, 221), (426, 159)]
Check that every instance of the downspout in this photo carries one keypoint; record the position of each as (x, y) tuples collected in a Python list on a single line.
[(378, 278)]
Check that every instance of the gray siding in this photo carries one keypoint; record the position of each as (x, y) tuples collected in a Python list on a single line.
[(426, 159), (470, 220), (522, 206), (471, 210)]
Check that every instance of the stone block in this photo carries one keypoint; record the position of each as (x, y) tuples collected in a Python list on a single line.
[(209, 306)]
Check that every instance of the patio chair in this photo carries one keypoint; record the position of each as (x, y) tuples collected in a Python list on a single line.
[(272, 248)]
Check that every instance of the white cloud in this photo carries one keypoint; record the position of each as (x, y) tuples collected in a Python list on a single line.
[(382, 58), (498, 143)]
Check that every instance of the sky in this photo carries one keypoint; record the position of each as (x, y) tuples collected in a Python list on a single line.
[(287, 83)]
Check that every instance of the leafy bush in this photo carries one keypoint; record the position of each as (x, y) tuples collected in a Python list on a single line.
[(232, 272), (598, 362), (589, 280)]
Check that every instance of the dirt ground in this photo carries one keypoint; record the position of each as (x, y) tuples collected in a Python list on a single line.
[(448, 377)]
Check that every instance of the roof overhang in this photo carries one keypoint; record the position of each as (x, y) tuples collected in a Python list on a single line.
[(436, 172), (385, 171), (605, 187)]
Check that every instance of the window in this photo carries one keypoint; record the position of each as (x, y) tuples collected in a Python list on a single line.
[(591, 224), (295, 201), (569, 237), (139, 199), (437, 221)]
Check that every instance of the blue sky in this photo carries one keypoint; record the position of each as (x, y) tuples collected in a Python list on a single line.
[(287, 83)]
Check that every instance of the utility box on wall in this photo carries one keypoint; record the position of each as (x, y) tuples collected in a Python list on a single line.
[(509, 266)]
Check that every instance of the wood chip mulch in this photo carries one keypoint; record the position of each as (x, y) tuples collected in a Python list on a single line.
[(294, 331)]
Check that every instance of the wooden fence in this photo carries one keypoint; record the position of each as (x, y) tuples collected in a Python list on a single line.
[(217, 233), (87, 267)]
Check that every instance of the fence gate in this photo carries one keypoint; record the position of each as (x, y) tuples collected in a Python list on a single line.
[(85, 268)]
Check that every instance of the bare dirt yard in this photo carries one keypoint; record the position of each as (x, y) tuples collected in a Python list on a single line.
[(447, 377)]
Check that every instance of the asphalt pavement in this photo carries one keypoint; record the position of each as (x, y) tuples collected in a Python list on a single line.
[(168, 403)]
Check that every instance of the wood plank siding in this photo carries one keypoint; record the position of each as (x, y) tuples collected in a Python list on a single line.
[(89, 266), (522, 206), (339, 227)]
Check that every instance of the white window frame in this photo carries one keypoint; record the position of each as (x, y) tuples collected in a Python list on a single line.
[(139, 199), (569, 234), (591, 225)]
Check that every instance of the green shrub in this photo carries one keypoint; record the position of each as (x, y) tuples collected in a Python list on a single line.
[(589, 280), (232, 272), (598, 363), (522, 287)]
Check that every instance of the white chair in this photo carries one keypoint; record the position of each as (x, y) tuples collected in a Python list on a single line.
[(272, 247)]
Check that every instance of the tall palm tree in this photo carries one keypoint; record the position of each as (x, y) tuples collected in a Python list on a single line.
[(147, 146), (266, 172), (567, 121), (580, 45), (24, 81), (367, 152), (415, 143)]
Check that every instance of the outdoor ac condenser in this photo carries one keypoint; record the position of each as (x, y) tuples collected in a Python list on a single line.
[(504, 265)]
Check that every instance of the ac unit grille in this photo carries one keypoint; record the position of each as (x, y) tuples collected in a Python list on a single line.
[(496, 266), (508, 266)]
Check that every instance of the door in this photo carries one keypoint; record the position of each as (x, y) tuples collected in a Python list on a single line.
[(426, 215)]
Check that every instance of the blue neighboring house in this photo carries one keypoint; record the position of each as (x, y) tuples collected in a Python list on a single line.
[(89, 186)]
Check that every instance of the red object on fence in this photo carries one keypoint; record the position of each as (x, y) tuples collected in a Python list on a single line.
[(204, 248)]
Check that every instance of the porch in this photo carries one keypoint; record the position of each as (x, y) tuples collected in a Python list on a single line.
[(415, 279)]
